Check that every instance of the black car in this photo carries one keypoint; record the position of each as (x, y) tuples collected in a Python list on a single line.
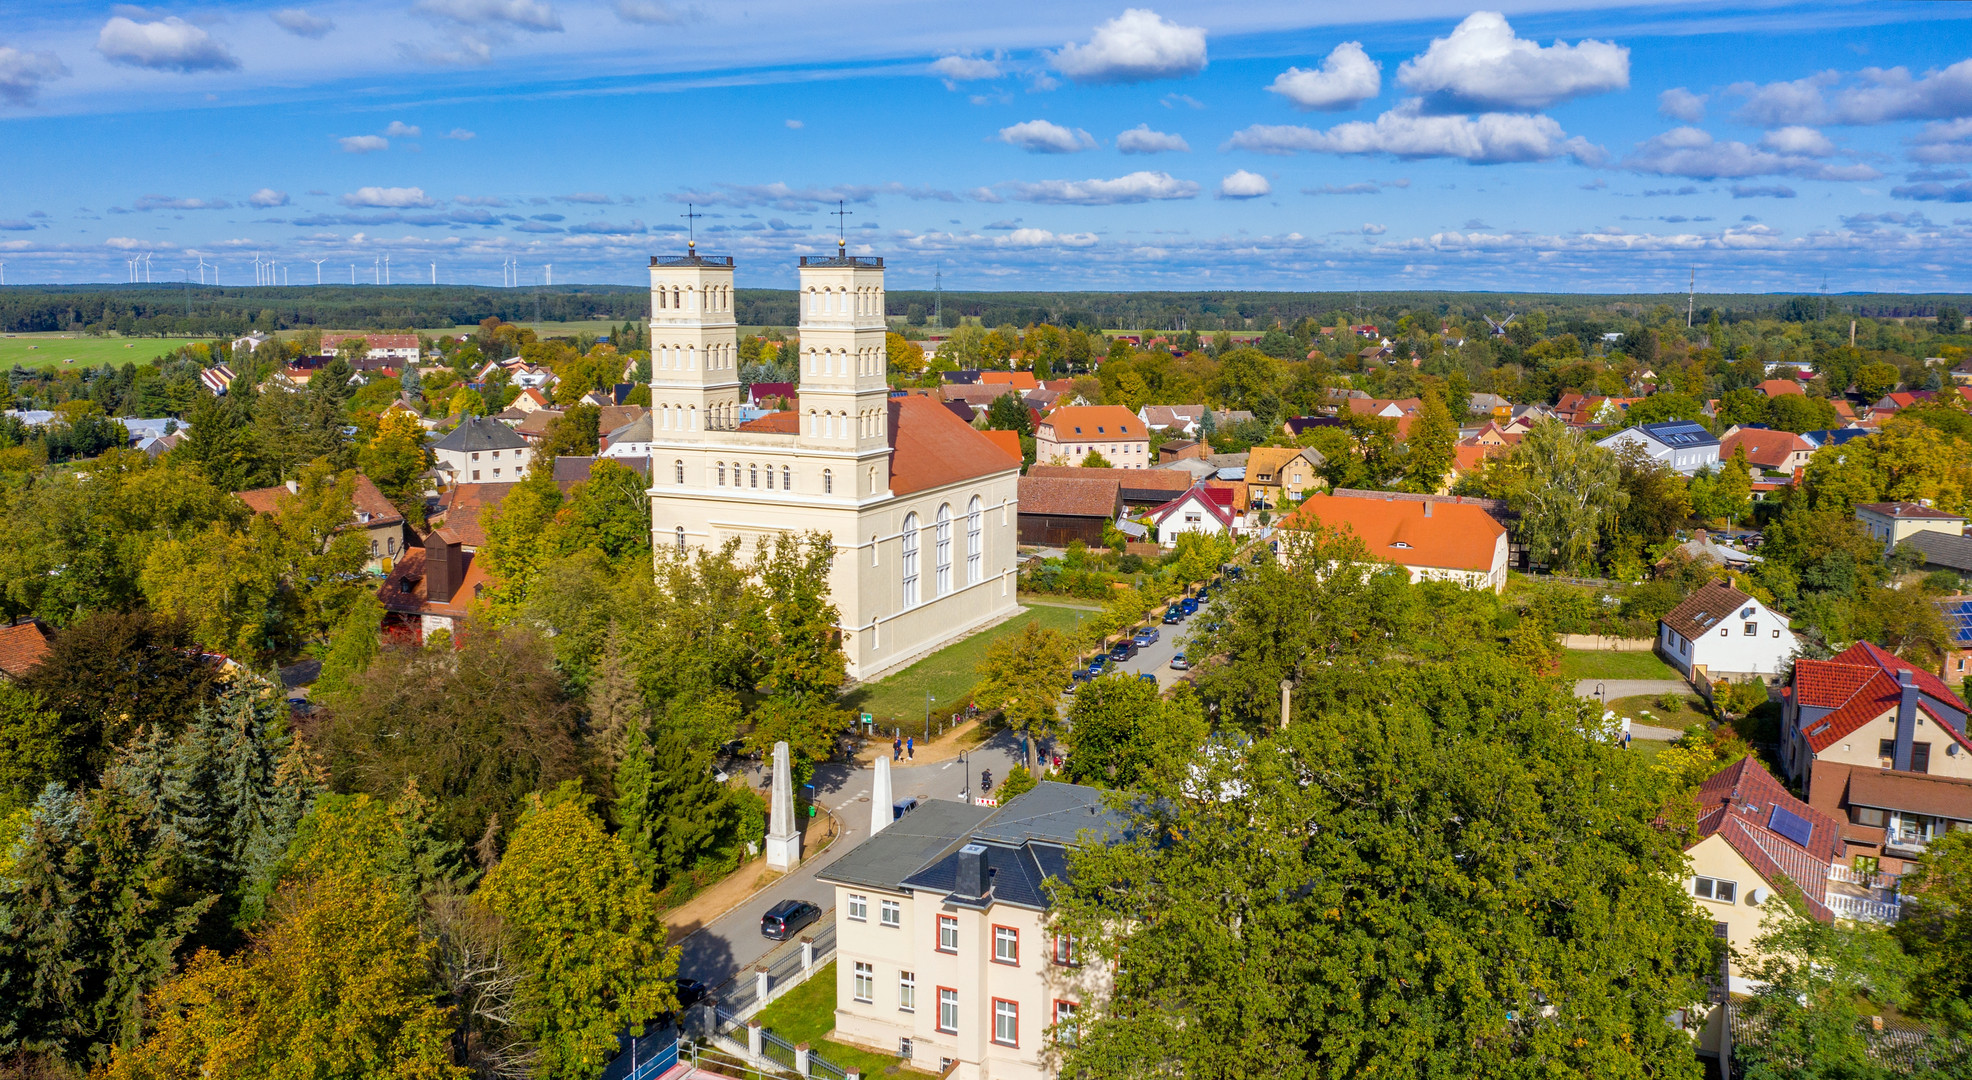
[(785, 919), (1123, 651), (690, 992), (1174, 615)]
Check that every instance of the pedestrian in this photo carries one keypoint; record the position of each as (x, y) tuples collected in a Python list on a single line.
[(896, 749), (911, 748)]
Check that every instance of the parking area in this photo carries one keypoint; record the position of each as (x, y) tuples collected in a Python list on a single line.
[(1155, 657)]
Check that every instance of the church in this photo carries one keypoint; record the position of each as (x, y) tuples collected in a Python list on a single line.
[(922, 508)]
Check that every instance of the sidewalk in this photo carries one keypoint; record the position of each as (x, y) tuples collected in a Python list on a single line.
[(745, 883), (961, 739)]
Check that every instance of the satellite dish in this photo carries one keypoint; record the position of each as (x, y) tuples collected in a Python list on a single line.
[(1757, 897)]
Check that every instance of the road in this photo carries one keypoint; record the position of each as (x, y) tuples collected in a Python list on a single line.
[(732, 943)]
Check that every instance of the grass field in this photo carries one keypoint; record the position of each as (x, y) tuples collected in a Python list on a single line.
[(808, 1012), (949, 673), (49, 350), (1604, 664), (1685, 715)]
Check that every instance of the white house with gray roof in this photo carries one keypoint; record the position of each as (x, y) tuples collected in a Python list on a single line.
[(483, 451), (1683, 445)]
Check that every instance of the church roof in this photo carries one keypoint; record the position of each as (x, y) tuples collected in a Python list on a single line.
[(931, 448), (785, 422)]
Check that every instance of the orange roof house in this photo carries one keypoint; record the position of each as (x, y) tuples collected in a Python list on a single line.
[(1007, 441), (1436, 540), (1777, 387), (22, 646), (1774, 451), (1020, 380)]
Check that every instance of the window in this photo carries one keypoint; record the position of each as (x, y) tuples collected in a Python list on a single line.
[(787, 479), (948, 933), (679, 468), (1006, 945), (1752, 629), (1920, 757), (973, 556), (722, 474), (770, 478), (1723, 632), (475, 473), (1867, 815), (475, 457), (1886, 753), (681, 538), (948, 1010), (893, 913), (865, 982), (1064, 1022), (753, 475), (373, 549), (828, 483), (910, 560), (496, 474), (944, 550), (1704, 888), (1006, 1022), (859, 907), (1064, 950), (907, 991), (390, 548)]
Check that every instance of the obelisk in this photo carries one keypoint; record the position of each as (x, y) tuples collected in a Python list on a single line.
[(880, 802), (783, 836)]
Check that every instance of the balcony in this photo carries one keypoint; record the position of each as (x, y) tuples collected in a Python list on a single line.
[(1863, 897), (861, 262), (693, 259)]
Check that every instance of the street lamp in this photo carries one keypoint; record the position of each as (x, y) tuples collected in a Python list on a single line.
[(927, 716)]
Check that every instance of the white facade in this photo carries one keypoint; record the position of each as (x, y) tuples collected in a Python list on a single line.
[(1751, 641), (1682, 459), (924, 549), (1191, 513)]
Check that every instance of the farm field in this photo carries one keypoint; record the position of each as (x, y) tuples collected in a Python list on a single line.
[(49, 350)]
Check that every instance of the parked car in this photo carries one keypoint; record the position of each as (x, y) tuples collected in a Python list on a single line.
[(1179, 663), (1190, 604), (1235, 572), (1147, 677), (1096, 665), (1174, 615), (1123, 651), (690, 992), (785, 919), (903, 806), (1257, 556), (1079, 675), (1147, 635)]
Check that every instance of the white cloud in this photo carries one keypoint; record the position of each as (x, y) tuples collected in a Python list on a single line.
[(1244, 185), (398, 129), (1142, 140), (1405, 132), (794, 125), (1876, 96), (1136, 46), (1944, 143), (966, 68), (170, 44), (22, 73), (782, 197), (1345, 80), (1373, 229), (460, 135), (390, 198), (1677, 103), (648, 12), (1934, 191), (1764, 191), (301, 23), (267, 197), (1044, 238), (363, 144), (1042, 137), (1135, 188), (173, 202), (523, 14), (1798, 140), (1482, 67), (1692, 152)]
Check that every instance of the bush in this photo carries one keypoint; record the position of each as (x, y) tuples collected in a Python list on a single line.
[(1130, 564), (1670, 703), (1942, 581)]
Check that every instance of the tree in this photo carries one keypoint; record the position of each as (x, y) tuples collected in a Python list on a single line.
[(576, 433), (112, 675), (464, 402), (1009, 413), (802, 662), (1936, 931), (1429, 451), (1658, 408), (1656, 500), (1812, 981), (905, 357), (1022, 676), (1875, 380), (1566, 490), (396, 460), (1095, 460), (353, 645), (1276, 909), (33, 750), (670, 809), (1122, 732), (587, 934)]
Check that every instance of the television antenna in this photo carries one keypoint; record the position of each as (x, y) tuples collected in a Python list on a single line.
[(318, 269)]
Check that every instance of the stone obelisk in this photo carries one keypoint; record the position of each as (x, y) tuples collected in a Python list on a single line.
[(880, 801), (783, 836)]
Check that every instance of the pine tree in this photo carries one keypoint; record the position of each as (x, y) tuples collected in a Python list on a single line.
[(615, 706), (631, 812)]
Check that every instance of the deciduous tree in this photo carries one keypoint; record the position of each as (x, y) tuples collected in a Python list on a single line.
[(1022, 676)]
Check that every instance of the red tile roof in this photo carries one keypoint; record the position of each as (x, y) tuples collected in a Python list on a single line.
[(785, 422), (1737, 804), (1860, 684), (1215, 501), (22, 646), (1777, 387), (1007, 441), (1906, 511), (1094, 423), (367, 499), (1019, 380), (1767, 449), (466, 505), (931, 448), (1454, 536), (1070, 498), (403, 590)]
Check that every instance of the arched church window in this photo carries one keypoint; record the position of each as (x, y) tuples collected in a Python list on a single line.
[(910, 560), (753, 476), (944, 551), (972, 552), (680, 534), (828, 482), (679, 466), (787, 479), (722, 474)]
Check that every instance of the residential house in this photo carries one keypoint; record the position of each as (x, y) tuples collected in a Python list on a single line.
[(1836, 436), (1434, 539), (1943, 551), (1962, 374), (1043, 399), (1182, 449), (1590, 410), (463, 508), (251, 342), (1195, 467), (1770, 451), (23, 645), (1490, 405), (1880, 745), (569, 471), (1890, 404), (480, 450), (1402, 410), (1226, 418), (632, 440), (1957, 613), (1683, 445), (1183, 419), (217, 379), (1200, 509), (1778, 387), (400, 348), (531, 377), (1296, 426), (1020, 381), (944, 955), (530, 400), (1068, 435), (535, 426), (979, 397), (1895, 522), (430, 589), (1143, 489), (1277, 475), (1722, 633), (386, 532), (1056, 511)]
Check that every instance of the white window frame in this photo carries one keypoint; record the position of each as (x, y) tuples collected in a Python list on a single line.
[(1006, 945), (859, 907), (1709, 888), (910, 575), (865, 983), (1006, 1022), (907, 991), (948, 1006), (942, 537), (974, 557), (947, 922), (891, 913)]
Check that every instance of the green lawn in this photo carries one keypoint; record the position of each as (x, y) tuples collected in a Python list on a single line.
[(807, 1013), (1685, 715), (1604, 664), (49, 350), (949, 673)]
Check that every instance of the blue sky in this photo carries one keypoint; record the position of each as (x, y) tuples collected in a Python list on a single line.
[(1075, 144)]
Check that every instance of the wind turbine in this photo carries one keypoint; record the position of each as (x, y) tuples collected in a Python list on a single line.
[(147, 268), (201, 269), (376, 269), (3, 273), (318, 269), (434, 273), (352, 273), (386, 269), (551, 273)]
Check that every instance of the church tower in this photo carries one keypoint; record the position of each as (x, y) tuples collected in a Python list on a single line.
[(845, 388), (694, 346)]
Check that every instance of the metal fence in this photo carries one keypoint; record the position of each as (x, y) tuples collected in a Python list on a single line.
[(740, 993)]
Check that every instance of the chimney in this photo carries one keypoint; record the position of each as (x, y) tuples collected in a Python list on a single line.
[(1427, 508), (972, 881), (1906, 718), (443, 569), (293, 488)]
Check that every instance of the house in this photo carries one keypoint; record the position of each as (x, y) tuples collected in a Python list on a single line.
[(979, 397), (1181, 450), (1892, 403), (535, 426), (1777, 387), (1722, 633), (759, 395), (1588, 410), (1296, 426), (1044, 400), (1185, 419), (1277, 475), (944, 955), (480, 450), (1957, 613), (1434, 539), (1880, 745), (1683, 445), (1200, 509), (463, 508), (217, 378), (1143, 489), (632, 440), (1895, 522), (1056, 511), (1491, 405), (531, 377), (430, 589), (531, 400), (1068, 435), (23, 645), (251, 342), (402, 348), (1943, 551), (1771, 451), (569, 471), (1402, 410), (383, 525)]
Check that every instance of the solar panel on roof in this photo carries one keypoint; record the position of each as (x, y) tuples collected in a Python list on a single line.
[(1791, 825), (1958, 619)]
